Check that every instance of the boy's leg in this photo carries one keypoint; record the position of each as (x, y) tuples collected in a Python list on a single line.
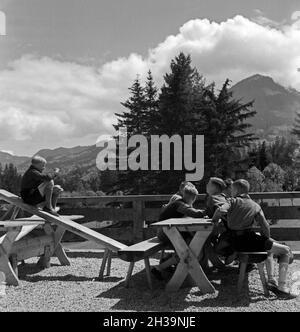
[(270, 268), (283, 252), (56, 192), (46, 189)]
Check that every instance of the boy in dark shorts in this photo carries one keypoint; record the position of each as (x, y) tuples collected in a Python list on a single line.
[(242, 213), (37, 187)]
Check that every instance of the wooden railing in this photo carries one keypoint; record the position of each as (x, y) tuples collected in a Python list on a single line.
[(131, 215)]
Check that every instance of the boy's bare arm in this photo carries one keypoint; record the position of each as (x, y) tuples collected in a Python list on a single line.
[(190, 211), (264, 226)]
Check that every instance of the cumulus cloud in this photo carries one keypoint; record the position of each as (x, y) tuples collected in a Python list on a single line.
[(54, 102)]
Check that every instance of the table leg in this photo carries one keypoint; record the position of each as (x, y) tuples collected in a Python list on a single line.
[(188, 256), (6, 243)]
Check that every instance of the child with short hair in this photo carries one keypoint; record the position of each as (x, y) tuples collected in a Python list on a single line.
[(219, 240), (216, 197), (242, 213), (179, 208), (37, 187), (179, 193)]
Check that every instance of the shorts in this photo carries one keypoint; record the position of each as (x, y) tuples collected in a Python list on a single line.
[(33, 197), (252, 242)]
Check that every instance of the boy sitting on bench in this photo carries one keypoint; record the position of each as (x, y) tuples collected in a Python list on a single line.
[(179, 193), (242, 212), (179, 208), (37, 188), (220, 238)]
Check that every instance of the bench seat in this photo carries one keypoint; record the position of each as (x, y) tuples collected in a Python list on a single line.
[(141, 250)]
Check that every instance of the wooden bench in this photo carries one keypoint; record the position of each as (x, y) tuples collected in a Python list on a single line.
[(141, 251), (246, 258), (11, 243), (251, 257), (50, 243)]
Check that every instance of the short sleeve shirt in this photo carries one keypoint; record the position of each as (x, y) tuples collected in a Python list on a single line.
[(241, 212)]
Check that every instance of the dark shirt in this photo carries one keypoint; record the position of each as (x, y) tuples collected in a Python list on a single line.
[(213, 203), (179, 209), (32, 178), (242, 212)]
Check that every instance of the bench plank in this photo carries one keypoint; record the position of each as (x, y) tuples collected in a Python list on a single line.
[(64, 222), (142, 249)]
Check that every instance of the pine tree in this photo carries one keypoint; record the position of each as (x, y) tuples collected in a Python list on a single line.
[(225, 129), (296, 128), (11, 180), (177, 100), (134, 118), (136, 121)]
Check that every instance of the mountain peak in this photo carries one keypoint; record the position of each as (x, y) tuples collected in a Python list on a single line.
[(258, 77)]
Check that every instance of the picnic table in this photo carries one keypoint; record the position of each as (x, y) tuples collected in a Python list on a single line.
[(188, 254)]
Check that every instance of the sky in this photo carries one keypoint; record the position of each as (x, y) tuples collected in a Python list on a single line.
[(65, 65)]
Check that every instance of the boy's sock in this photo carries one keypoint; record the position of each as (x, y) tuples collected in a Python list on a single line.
[(270, 269), (282, 283)]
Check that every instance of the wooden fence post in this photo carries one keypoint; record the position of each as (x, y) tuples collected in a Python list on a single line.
[(138, 220)]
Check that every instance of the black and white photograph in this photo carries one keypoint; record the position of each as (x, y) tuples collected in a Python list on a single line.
[(149, 159)]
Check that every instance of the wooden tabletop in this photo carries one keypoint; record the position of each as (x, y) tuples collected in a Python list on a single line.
[(19, 223), (36, 218), (176, 222)]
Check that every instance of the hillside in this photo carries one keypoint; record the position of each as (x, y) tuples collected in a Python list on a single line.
[(276, 105)]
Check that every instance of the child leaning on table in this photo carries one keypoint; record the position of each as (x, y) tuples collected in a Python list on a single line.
[(181, 207), (242, 213), (37, 187), (179, 193)]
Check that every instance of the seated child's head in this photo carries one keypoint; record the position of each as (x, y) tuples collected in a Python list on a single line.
[(183, 184), (190, 194), (38, 162), (215, 186), (240, 187), (228, 189)]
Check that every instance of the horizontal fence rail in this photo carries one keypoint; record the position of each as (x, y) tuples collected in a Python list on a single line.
[(132, 214)]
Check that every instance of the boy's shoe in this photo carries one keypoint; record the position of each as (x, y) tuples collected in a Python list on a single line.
[(51, 211), (285, 295), (250, 267), (272, 286), (229, 259)]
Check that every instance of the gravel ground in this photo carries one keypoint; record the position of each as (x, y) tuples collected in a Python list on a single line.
[(73, 288)]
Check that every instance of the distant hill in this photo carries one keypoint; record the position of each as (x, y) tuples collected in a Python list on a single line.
[(276, 105), (7, 158), (66, 158)]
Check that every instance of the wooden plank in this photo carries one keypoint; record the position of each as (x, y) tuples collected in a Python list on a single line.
[(183, 222), (25, 230), (102, 214), (64, 222), (11, 224), (138, 220), (141, 250), (282, 212)]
